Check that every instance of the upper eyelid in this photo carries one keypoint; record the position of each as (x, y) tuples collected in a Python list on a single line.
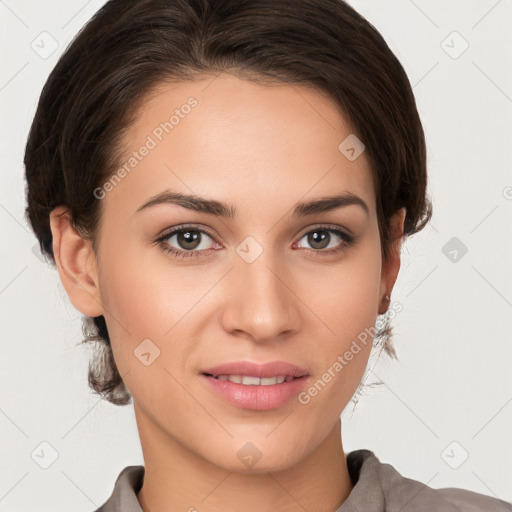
[(176, 229)]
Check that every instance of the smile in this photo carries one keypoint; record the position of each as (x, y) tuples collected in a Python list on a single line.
[(254, 381)]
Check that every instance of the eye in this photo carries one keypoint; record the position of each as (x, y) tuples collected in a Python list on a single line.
[(193, 242), (190, 240), (321, 238)]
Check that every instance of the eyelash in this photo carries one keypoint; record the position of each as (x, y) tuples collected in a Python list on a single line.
[(347, 241)]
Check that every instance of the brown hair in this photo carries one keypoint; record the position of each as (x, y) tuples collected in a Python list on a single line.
[(91, 98)]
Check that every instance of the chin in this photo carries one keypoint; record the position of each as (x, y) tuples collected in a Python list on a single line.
[(252, 458)]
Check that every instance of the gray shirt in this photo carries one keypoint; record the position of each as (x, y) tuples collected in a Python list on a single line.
[(378, 487)]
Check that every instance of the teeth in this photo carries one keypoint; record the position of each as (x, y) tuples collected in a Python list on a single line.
[(255, 381)]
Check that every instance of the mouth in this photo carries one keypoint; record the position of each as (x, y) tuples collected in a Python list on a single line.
[(250, 380), (256, 393), (255, 385)]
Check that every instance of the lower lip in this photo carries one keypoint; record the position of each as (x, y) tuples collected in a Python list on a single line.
[(258, 398)]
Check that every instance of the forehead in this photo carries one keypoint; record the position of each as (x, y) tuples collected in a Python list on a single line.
[(240, 142)]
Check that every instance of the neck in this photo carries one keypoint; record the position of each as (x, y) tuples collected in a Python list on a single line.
[(177, 479)]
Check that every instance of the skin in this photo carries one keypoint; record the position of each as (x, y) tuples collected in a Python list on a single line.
[(261, 148)]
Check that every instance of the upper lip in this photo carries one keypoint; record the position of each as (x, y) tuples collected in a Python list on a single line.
[(248, 368)]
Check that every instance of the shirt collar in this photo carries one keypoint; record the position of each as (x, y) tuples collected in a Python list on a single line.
[(377, 487)]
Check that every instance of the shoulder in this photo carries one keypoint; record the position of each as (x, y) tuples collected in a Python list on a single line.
[(471, 501), (124, 494), (379, 486)]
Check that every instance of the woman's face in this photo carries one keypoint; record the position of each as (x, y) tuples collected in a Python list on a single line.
[(267, 283)]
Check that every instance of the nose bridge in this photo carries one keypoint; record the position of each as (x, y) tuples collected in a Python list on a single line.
[(262, 304)]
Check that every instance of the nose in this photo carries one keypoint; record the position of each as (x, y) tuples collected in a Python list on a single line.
[(262, 303)]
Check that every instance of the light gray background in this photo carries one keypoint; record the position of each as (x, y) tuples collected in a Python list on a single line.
[(453, 337)]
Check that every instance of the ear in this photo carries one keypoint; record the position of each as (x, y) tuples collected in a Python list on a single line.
[(76, 263), (391, 265)]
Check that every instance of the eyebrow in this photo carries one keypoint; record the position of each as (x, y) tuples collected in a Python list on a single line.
[(217, 208)]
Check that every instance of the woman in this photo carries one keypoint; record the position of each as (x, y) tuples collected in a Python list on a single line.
[(224, 187)]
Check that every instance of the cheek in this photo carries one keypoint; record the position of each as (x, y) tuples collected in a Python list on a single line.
[(348, 301), (145, 297), (137, 289), (348, 308), (141, 302), (133, 296)]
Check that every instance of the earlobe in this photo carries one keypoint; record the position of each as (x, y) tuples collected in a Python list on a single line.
[(391, 266), (76, 264)]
